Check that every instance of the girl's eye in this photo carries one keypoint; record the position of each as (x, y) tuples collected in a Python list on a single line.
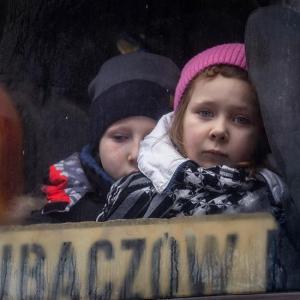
[(206, 113), (242, 120)]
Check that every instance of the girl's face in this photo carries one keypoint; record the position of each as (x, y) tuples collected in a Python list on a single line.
[(221, 124), (119, 146)]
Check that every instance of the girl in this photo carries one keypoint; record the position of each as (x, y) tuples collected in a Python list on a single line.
[(208, 155), (128, 95)]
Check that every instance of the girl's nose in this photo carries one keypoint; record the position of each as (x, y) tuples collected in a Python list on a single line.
[(219, 131)]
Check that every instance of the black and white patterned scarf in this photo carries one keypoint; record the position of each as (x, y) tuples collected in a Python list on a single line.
[(193, 190)]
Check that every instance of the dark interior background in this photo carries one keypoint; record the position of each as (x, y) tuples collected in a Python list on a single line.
[(51, 50)]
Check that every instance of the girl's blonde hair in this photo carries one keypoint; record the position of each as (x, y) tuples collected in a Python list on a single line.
[(176, 130)]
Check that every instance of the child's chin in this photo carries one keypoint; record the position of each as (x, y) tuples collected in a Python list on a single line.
[(215, 163)]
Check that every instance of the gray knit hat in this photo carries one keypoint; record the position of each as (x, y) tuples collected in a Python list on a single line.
[(135, 84), (134, 66)]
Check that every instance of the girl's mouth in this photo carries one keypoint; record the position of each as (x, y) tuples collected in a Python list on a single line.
[(216, 153)]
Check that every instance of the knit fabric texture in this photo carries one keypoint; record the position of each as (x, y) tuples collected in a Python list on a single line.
[(134, 66), (135, 84), (225, 54), (124, 100)]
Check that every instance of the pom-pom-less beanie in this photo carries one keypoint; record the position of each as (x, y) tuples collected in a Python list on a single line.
[(226, 54), (135, 84)]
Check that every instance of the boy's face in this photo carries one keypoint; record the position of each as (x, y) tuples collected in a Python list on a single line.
[(119, 146), (221, 124)]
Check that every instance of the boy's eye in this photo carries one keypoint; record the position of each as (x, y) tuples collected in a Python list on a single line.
[(206, 113), (120, 138), (242, 120)]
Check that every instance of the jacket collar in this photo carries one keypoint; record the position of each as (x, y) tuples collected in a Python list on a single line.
[(158, 160), (71, 179)]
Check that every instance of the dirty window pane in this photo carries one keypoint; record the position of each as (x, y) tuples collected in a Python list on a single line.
[(51, 50)]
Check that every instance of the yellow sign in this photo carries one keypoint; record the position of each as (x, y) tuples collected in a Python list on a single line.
[(129, 259)]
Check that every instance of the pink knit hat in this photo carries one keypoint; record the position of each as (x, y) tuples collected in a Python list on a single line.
[(228, 54)]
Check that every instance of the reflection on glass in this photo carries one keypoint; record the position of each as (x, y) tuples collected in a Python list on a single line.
[(11, 162)]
